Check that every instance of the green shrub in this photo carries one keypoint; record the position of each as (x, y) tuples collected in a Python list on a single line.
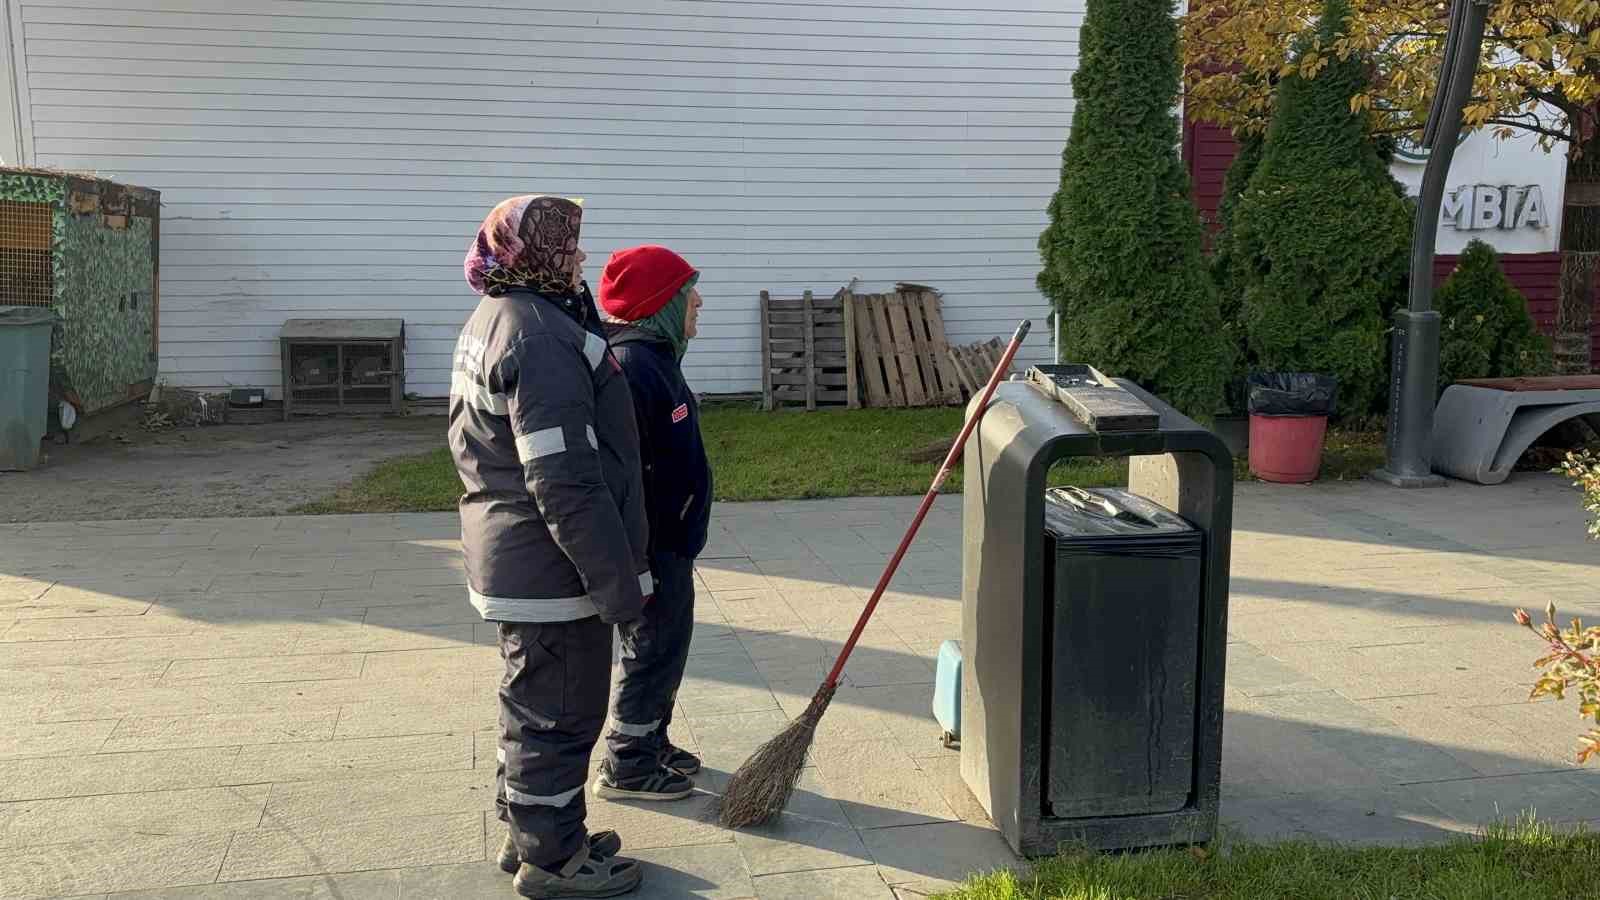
[(1485, 329), (1230, 276), (1321, 236), (1122, 257)]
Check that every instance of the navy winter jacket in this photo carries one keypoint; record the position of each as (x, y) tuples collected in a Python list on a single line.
[(677, 475)]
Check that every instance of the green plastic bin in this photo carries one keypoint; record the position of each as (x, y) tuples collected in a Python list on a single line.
[(24, 384)]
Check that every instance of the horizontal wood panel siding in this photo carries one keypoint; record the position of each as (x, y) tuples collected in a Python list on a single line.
[(334, 158)]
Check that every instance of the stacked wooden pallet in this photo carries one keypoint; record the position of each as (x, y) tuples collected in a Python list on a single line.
[(974, 363), (904, 358), (875, 349), (807, 352)]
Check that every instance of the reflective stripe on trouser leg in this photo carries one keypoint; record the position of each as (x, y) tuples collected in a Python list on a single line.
[(552, 709), (654, 652)]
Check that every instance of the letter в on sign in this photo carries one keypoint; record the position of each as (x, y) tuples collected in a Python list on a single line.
[(1488, 206)]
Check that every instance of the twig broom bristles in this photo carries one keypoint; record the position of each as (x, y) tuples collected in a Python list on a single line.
[(760, 789)]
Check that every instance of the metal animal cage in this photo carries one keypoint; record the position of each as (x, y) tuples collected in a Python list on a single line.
[(88, 250), (343, 365), (26, 275)]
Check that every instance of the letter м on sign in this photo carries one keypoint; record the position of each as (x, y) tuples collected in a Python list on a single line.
[(1457, 205)]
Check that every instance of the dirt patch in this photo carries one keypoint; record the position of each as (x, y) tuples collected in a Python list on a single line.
[(196, 472)]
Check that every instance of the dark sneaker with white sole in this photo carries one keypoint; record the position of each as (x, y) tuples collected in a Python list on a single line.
[(662, 784), (680, 760), (584, 875), (601, 843)]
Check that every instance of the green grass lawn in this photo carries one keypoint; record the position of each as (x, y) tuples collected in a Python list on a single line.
[(794, 455), (1526, 862)]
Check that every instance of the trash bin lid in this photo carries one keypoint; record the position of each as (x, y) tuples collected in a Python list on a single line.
[(1076, 512), (19, 316)]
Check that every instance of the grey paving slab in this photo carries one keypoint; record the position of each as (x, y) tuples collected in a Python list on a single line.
[(301, 667), (711, 871), (91, 774), (938, 856), (879, 786), (1554, 796), (328, 676), (854, 883), (374, 841), (1487, 747), (208, 645), (100, 628), (108, 816), (439, 612), (346, 886), (461, 881), (125, 674), (794, 843), (54, 739), (462, 714), (311, 761), (735, 732), (221, 730), (655, 826), (124, 864), (397, 794)]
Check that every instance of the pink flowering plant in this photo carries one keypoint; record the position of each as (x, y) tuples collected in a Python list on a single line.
[(1584, 470), (1573, 664), (1573, 661)]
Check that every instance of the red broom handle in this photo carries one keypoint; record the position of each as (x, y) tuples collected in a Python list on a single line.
[(928, 498)]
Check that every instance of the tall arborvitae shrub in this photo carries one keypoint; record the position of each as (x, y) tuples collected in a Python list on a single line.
[(1320, 231), (1485, 328), (1229, 268), (1123, 262)]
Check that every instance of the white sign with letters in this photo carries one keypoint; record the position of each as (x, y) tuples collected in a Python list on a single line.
[(1506, 193), (1483, 207)]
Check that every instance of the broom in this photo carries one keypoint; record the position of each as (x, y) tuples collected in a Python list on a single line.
[(760, 789)]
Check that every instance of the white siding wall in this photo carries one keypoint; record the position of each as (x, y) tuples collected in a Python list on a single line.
[(334, 158)]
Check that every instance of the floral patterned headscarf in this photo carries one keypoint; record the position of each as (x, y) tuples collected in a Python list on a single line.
[(528, 241)]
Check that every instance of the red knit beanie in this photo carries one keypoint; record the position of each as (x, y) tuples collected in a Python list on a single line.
[(638, 281)]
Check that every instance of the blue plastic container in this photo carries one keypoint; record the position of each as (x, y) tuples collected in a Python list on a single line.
[(947, 692)]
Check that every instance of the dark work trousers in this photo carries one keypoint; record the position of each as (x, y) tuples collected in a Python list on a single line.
[(654, 651), (552, 710)]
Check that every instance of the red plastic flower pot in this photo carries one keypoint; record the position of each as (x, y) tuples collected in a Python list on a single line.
[(1287, 449)]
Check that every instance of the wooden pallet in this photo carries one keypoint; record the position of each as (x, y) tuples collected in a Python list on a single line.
[(974, 363), (901, 350), (806, 352)]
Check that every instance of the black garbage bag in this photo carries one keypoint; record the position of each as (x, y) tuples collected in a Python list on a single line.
[(1292, 394)]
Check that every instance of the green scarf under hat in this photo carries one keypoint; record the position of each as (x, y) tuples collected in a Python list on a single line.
[(668, 322)]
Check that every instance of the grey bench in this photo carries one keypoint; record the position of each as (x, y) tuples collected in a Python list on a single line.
[(1481, 427)]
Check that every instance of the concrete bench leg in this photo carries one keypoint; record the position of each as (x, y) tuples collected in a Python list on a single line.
[(1479, 434)]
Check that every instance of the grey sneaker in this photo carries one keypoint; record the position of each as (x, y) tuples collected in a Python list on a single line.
[(680, 760), (662, 784), (583, 876), (601, 843)]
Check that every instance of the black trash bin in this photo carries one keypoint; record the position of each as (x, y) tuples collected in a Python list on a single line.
[(1122, 589), (1094, 623)]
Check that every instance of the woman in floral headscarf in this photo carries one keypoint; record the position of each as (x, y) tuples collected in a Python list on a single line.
[(553, 529)]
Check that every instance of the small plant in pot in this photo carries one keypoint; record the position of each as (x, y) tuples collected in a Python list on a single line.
[(1232, 423), (1288, 421)]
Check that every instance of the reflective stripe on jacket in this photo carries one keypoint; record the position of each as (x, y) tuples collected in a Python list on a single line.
[(542, 430)]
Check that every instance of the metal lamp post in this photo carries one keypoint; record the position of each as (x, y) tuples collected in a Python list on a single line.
[(1415, 372)]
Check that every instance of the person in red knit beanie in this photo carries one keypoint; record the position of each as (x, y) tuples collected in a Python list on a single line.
[(652, 311)]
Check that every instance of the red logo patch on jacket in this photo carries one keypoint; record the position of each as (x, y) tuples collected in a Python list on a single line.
[(681, 413)]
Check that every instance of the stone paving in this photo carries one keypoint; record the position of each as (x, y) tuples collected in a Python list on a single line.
[(254, 708)]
